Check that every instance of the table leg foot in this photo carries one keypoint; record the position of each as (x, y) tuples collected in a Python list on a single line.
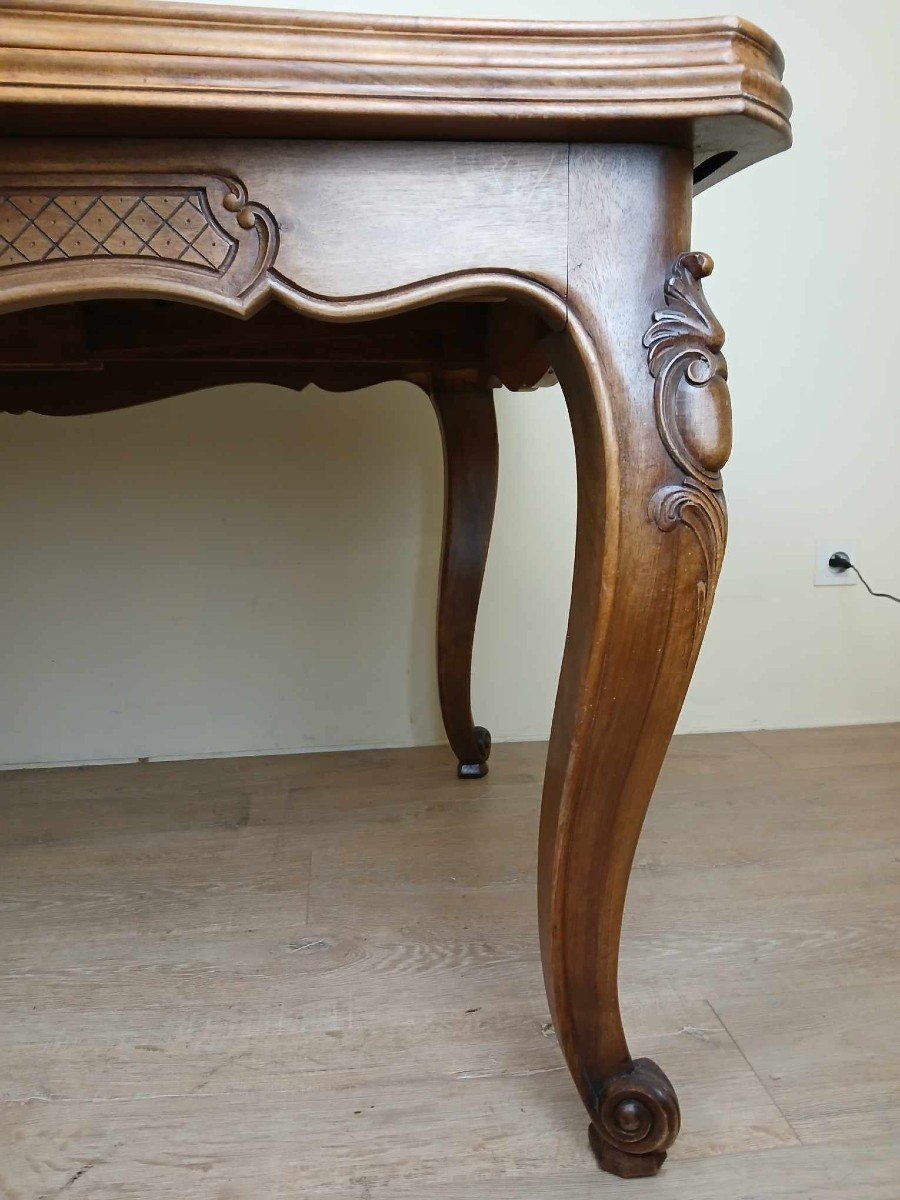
[(637, 1117), (626, 1166), (479, 768)]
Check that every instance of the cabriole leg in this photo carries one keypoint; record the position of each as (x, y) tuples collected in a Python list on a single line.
[(644, 381), (465, 412)]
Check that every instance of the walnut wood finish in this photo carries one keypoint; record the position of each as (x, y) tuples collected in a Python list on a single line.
[(456, 265), (468, 423), (640, 600), (75, 66)]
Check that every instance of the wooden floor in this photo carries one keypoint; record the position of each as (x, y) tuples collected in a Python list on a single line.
[(273, 978)]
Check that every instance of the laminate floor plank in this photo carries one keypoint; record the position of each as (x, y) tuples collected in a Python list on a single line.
[(318, 976)]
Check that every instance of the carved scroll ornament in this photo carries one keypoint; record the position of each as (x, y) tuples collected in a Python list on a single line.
[(693, 414), (637, 1118)]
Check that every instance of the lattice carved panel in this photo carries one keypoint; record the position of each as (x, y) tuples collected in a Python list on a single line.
[(43, 226), (186, 236)]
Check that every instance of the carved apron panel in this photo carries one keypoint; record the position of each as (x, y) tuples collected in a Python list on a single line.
[(193, 233)]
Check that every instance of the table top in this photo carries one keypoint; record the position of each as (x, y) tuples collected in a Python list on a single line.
[(162, 69)]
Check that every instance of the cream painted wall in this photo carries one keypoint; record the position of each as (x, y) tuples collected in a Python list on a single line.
[(244, 570)]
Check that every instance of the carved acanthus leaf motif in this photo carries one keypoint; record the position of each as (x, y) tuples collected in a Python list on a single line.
[(703, 511), (693, 416), (684, 344)]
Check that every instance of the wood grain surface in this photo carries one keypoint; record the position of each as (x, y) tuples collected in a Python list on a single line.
[(320, 976), (76, 66), (344, 231)]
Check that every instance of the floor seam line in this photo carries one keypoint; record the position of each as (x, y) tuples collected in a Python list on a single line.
[(756, 1075)]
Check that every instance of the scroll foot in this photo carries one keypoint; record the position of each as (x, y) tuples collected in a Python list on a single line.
[(479, 768), (637, 1119)]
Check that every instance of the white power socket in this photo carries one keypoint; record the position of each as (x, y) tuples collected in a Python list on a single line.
[(826, 576)]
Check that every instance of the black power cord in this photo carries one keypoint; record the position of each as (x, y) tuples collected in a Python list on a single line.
[(841, 562)]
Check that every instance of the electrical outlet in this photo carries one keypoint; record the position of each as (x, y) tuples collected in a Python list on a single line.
[(826, 576)]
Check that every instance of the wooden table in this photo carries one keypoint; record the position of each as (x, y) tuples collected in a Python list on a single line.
[(462, 205)]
